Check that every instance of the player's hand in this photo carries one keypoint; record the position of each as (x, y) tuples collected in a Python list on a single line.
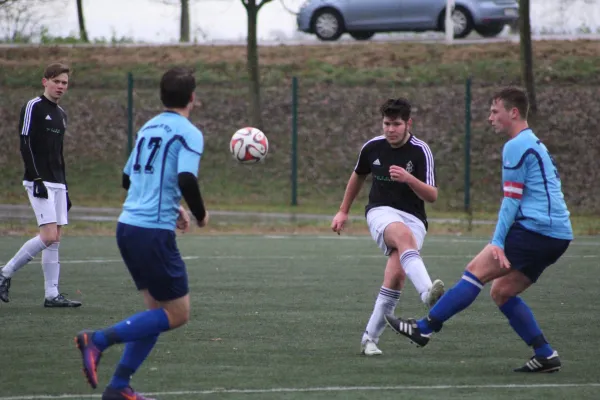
[(204, 221), (68, 201), (499, 255), (183, 220), (399, 174), (39, 189), (339, 221)]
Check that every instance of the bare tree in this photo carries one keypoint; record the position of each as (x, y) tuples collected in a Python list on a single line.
[(526, 53), (82, 31), (24, 19), (252, 9), (184, 19)]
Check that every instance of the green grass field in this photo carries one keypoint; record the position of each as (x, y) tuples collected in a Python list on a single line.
[(281, 318)]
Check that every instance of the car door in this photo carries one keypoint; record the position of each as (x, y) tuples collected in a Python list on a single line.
[(375, 15), (420, 14)]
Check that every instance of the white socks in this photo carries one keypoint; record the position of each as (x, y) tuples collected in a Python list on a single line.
[(30, 249), (51, 268), (415, 270), (385, 304)]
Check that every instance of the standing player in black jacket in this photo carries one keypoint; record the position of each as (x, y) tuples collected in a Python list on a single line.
[(42, 128), (403, 172)]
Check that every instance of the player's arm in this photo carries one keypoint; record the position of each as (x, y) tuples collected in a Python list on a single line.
[(355, 183), (425, 191), (353, 187), (28, 129), (514, 171), (423, 181), (127, 170), (424, 186), (187, 175)]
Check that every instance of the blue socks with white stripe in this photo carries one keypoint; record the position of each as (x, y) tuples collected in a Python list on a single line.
[(459, 297)]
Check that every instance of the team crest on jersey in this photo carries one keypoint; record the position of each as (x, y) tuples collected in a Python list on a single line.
[(409, 167)]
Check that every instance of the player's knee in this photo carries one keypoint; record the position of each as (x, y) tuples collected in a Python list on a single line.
[(500, 294), (178, 314), (49, 236)]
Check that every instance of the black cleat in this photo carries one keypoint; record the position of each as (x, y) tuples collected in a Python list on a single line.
[(409, 329), (4, 286), (61, 301), (541, 364)]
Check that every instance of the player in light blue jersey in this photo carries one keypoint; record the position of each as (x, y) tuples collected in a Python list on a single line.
[(532, 233), (161, 169)]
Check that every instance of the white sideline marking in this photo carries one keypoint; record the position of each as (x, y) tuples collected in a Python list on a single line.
[(319, 389), (238, 257)]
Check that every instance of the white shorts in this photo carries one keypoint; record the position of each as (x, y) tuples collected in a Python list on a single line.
[(379, 218), (50, 210)]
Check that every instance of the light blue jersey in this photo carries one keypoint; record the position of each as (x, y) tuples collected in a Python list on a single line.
[(532, 190), (166, 146)]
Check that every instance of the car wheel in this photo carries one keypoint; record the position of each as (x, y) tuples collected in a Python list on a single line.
[(489, 30), (328, 25), (461, 20), (362, 35)]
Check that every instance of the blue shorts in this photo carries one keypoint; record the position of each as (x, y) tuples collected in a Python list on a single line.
[(153, 260), (531, 252)]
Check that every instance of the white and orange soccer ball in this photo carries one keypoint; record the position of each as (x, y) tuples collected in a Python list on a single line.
[(249, 145)]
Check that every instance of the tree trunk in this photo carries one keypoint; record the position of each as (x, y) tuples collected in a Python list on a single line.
[(82, 31), (526, 55), (252, 64), (184, 25)]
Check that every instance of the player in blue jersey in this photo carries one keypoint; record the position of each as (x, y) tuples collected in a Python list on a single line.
[(532, 233), (161, 169)]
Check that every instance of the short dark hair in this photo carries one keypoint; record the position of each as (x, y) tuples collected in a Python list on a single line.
[(396, 108), (55, 69), (513, 97), (176, 87)]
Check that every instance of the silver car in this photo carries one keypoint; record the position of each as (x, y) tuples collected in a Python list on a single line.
[(329, 19)]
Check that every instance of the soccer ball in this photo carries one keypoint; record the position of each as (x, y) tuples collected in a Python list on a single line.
[(249, 145)]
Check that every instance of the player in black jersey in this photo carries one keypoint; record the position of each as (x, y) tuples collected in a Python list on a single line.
[(403, 172), (42, 128)]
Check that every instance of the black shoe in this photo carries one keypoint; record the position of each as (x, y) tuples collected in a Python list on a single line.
[(61, 301), (541, 364), (4, 286), (409, 329)]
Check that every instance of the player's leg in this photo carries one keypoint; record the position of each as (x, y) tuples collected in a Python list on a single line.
[(51, 267), (529, 254), (136, 352), (482, 269), (407, 236), (46, 218), (156, 266), (387, 299), (378, 219), (50, 255)]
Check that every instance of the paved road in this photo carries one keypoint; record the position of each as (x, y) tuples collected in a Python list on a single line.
[(97, 214), (428, 37)]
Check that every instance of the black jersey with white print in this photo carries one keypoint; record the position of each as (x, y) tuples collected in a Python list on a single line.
[(376, 157), (42, 127)]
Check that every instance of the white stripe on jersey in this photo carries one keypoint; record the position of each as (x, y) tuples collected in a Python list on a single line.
[(380, 137), (429, 167), (28, 114)]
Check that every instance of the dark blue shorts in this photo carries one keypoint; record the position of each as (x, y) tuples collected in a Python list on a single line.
[(531, 252), (153, 260)]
